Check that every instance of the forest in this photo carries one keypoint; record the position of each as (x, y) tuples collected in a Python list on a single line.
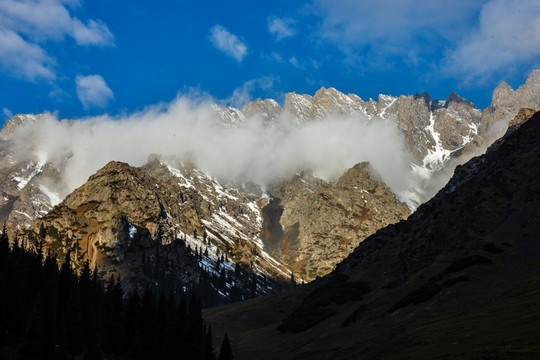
[(51, 311)]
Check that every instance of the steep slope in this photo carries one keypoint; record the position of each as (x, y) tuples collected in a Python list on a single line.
[(459, 279), (323, 222), (167, 215)]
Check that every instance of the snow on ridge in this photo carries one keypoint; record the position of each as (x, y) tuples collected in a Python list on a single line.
[(435, 159), (23, 181), (386, 98)]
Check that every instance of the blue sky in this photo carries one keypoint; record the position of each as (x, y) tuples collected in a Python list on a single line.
[(83, 58)]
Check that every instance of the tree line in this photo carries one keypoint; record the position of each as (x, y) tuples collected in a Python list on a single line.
[(49, 311)]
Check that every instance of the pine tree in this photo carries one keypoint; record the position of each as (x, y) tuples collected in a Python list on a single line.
[(225, 352)]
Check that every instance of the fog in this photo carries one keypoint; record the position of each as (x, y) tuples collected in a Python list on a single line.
[(189, 127)]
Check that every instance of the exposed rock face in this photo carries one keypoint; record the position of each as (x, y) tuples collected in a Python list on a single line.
[(506, 102), (123, 214), (323, 222), (267, 109)]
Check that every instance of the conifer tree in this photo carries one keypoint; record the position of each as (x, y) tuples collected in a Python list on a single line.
[(225, 352)]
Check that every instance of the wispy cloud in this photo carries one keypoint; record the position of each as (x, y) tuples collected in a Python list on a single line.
[(92, 91), (508, 35), (23, 59), (294, 62), (7, 113), (229, 43), (474, 40), (281, 28), (243, 94), (379, 30), (25, 27)]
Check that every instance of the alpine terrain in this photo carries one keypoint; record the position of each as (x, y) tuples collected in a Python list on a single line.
[(170, 222)]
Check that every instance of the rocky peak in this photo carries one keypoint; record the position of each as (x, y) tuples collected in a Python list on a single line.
[(503, 95), (230, 116), (533, 80), (268, 109), (425, 96), (17, 121), (322, 222), (456, 99)]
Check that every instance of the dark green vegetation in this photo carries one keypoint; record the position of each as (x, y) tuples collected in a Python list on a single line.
[(459, 279), (51, 313)]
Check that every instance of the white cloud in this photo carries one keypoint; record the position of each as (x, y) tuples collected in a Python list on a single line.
[(27, 25), (229, 43), (95, 33), (281, 28), (7, 113), (92, 91), (44, 20), (243, 94), (393, 24), (294, 61), (508, 35), (23, 59), (189, 127)]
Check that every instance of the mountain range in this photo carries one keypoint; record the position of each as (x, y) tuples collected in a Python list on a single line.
[(173, 215)]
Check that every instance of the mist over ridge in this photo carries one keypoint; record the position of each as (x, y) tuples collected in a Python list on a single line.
[(188, 128)]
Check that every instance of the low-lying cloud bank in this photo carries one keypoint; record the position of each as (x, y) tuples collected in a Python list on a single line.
[(188, 127)]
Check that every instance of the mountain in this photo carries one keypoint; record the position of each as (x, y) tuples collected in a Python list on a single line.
[(457, 279), (299, 225), (167, 217), (320, 222)]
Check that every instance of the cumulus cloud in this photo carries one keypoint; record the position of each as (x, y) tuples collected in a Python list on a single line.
[(281, 28), (26, 25), (189, 127), (229, 43), (92, 91), (508, 34)]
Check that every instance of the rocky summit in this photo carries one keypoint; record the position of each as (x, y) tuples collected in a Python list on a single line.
[(320, 222)]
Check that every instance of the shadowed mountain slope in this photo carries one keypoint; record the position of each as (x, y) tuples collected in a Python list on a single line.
[(459, 279)]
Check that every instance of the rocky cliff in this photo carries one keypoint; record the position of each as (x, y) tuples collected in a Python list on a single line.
[(323, 222), (168, 213)]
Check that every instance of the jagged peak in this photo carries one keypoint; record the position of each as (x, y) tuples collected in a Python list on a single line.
[(533, 78), (455, 98), (425, 96), (503, 86), (19, 120)]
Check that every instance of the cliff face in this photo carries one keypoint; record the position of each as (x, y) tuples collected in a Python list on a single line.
[(323, 222), (168, 211)]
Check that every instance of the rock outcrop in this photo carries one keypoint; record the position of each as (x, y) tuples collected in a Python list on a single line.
[(323, 222)]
